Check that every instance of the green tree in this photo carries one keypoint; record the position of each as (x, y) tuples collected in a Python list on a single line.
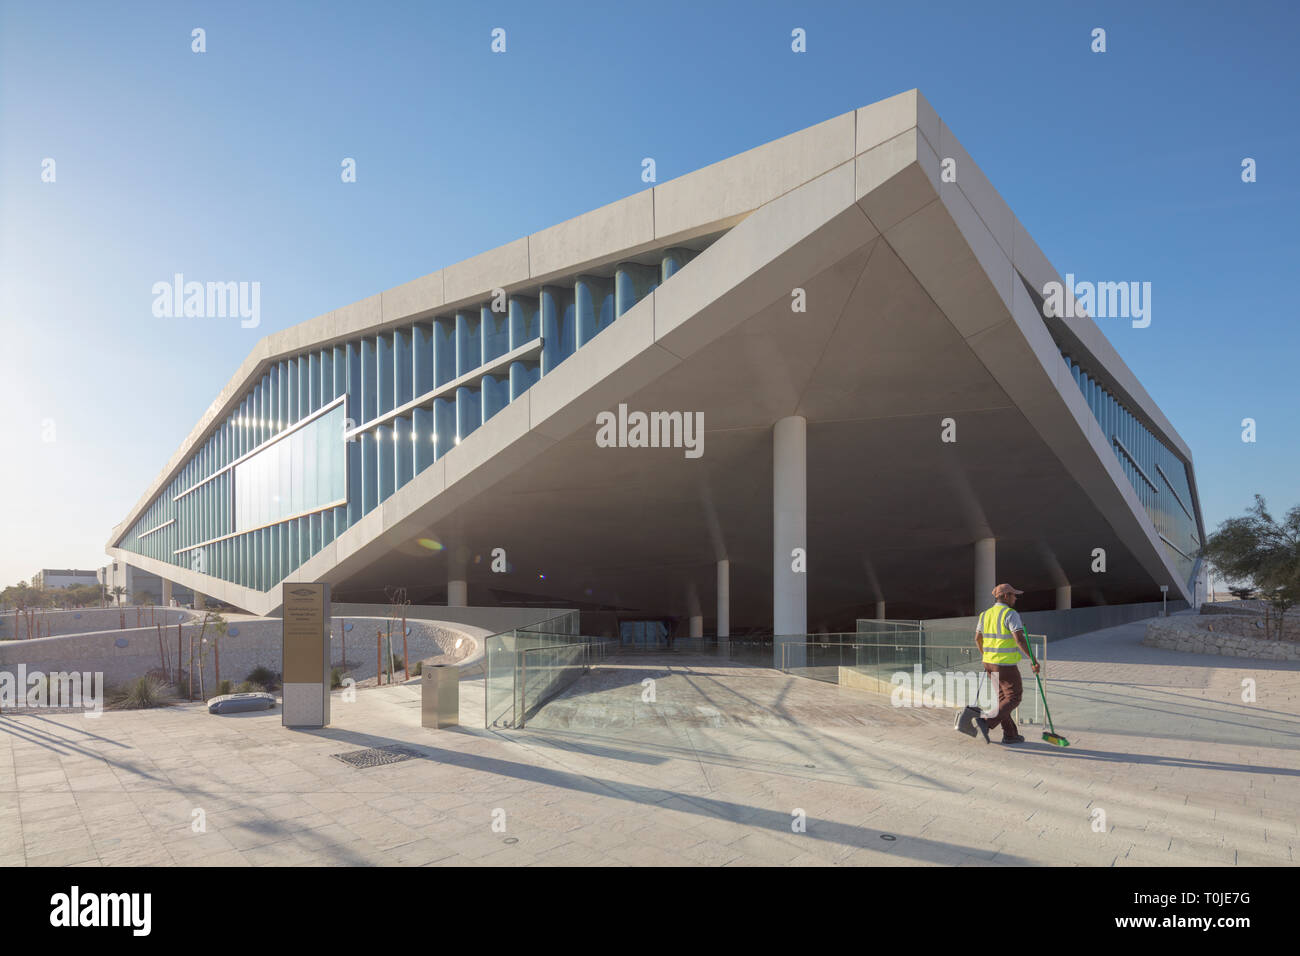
[(23, 594), (85, 595), (118, 591), (1265, 553)]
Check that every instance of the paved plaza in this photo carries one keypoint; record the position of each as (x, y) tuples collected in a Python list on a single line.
[(729, 765)]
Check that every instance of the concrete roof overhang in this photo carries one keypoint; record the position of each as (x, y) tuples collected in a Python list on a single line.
[(917, 311)]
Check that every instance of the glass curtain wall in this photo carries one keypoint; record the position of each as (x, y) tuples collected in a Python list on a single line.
[(259, 497), (1158, 476)]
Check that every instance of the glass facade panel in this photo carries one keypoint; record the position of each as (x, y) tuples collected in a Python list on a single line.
[(444, 351), (469, 342), (495, 328), (559, 326), (673, 260), (252, 473), (525, 320), (301, 472), (496, 394), (1158, 476), (632, 283), (594, 301)]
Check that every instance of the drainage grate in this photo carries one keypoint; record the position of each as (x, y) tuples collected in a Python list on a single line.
[(375, 756)]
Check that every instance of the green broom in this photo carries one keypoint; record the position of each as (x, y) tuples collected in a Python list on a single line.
[(1050, 735)]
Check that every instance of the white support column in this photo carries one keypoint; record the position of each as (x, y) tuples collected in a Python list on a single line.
[(789, 531), (166, 593), (198, 601), (880, 610), (457, 592), (724, 598), (986, 572), (694, 613), (457, 579), (1063, 598)]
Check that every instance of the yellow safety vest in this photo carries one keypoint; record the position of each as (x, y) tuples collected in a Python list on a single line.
[(999, 643)]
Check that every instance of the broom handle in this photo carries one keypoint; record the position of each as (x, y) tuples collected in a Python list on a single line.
[(1041, 692)]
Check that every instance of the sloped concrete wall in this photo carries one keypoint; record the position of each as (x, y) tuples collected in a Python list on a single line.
[(1060, 624), (492, 619), (122, 655), (89, 619)]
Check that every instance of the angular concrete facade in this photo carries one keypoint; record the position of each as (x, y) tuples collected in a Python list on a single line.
[(830, 277)]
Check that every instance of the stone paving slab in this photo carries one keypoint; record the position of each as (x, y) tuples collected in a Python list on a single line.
[(729, 766)]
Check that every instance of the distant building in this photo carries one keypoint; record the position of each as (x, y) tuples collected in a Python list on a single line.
[(137, 584), (49, 579)]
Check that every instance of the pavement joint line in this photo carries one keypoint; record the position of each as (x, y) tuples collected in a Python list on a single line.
[(1171, 795)]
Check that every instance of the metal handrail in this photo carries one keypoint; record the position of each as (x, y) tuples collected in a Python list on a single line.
[(487, 654), (521, 716)]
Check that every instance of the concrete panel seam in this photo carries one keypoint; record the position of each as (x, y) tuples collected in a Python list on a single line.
[(875, 244)]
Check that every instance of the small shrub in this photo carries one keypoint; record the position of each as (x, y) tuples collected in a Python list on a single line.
[(418, 669), (262, 675), (395, 667), (140, 694), (248, 687), (225, 687), (336, 678)]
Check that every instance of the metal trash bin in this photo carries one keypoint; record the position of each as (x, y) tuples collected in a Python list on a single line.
[(439, 695)]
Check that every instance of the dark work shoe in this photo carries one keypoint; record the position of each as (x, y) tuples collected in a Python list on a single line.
[(983, 725), (1017, 739)]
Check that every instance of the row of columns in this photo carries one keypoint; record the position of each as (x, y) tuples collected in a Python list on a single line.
[(200, 602), (790, 529), (789, 548)]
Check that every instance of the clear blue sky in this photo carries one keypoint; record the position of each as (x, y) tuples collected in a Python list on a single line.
[(225, 165)]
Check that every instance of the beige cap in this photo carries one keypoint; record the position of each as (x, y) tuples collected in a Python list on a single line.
[(1002, 589)]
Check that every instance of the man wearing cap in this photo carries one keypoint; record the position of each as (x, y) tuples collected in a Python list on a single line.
[(998, 633)]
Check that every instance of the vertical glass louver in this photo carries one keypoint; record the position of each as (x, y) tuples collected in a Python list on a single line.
[(322, 438), (1158, 476)]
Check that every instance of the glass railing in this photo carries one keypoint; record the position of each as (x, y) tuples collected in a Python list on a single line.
[(871, 629), (938, 667), (900, 634), (755, 649), (527, 666), (547, 670)]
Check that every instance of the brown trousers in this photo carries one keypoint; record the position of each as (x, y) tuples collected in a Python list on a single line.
[(1010, 690)]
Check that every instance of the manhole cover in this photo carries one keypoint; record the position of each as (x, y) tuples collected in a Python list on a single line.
[(888, 836), (375, 756)]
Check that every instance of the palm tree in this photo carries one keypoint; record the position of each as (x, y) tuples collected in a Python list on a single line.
[(118, 591)]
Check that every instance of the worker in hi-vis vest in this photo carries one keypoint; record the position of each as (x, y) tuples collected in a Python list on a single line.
[(1000, 636)]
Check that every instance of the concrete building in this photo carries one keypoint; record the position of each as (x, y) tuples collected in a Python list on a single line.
[(139, 584), (49, 579), (809, 383)]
